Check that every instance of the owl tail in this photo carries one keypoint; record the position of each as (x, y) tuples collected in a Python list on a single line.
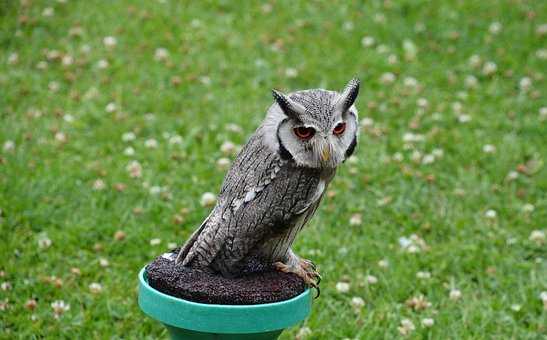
[(181, 257)]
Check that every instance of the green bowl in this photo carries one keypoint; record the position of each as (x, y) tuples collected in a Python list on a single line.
[(190, 320)]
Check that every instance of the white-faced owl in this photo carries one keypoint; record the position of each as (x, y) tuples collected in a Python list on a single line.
[(276, 184)]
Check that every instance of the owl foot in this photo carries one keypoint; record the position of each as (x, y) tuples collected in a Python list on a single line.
[(305, 269)]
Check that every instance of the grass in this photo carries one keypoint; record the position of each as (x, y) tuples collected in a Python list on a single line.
[(64, 177)]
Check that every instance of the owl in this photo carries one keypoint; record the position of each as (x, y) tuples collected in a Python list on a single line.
[(276, 184)]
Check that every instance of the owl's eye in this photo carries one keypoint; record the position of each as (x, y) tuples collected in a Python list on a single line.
[(339, 128), (303, 132)]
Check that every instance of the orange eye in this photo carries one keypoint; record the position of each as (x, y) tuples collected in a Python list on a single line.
[(339, 128), (303, 132)]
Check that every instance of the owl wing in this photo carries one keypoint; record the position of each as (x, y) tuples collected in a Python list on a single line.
[(262, 195)]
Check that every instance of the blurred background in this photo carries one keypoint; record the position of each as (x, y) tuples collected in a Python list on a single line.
[(119, 119)]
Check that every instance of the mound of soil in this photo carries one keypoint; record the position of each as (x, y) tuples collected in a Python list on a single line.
[(200, 286)]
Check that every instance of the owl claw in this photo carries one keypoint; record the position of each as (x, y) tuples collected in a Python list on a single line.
[(306, 270)]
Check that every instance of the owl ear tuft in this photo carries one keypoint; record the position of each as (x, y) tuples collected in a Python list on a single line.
[(291, 108), (348, 95)]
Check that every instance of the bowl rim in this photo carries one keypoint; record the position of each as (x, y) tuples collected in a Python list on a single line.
[(215, 318)]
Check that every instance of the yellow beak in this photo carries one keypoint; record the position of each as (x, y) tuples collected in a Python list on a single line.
[(325, 154)]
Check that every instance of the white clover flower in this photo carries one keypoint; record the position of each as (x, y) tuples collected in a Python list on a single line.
[(5, 286), (371, 279), (410, 49), (406, 327), (104, 262), (543, 297), (67, 60), (8, 146), (379, 18), (155, 190), (135, 169), (471, 81), (85, 48), (228, 148), (367, 41), (410, 82), (223, 163), (541, 53), (60, 137), (382, 49), (383, 263), (95, 288), (392, 59), (410, 137), (428, 159), (438, 153), (291, 72), (54, 86), (110, 107), (528, 208), (151, 143), (355, 219), (99, 184), (161, 54), (59, 307), (541, 29), (455, 294), (44, 242), (233, 128), (42, 65), (48, 12), (387, 78), (525, 83), (416, 156), (110, 41), (13, 58), (347, 26), (423, 275), (102, 64), (128, 136), (357, 302), (537, 236), (129, 151), (155, 241), (422, 102), (543, 112), (367, 122), (490, 213), (303, 333), (489, 68), (474, 60), (516, 307), (176, 139), (208, 199), (495, 27), (68, 118), (464, 118), (398, 157), (342, 287), (428, 322), (488, 148), (512, 175)]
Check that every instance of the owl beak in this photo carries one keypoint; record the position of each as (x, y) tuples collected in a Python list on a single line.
[(325, 153)]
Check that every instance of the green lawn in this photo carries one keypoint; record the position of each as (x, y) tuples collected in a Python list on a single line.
[(452, 150)]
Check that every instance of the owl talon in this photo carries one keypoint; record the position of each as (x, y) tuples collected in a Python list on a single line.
[(304, 269)]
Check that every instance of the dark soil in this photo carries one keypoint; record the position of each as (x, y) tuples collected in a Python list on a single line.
[(200, 286)]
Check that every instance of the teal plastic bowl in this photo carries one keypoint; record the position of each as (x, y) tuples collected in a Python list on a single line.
[(190, 320)]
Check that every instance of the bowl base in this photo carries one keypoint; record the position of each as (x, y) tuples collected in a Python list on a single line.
[(185, 334)]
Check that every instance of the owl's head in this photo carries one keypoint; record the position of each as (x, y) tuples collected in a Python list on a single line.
[(316, 128)]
